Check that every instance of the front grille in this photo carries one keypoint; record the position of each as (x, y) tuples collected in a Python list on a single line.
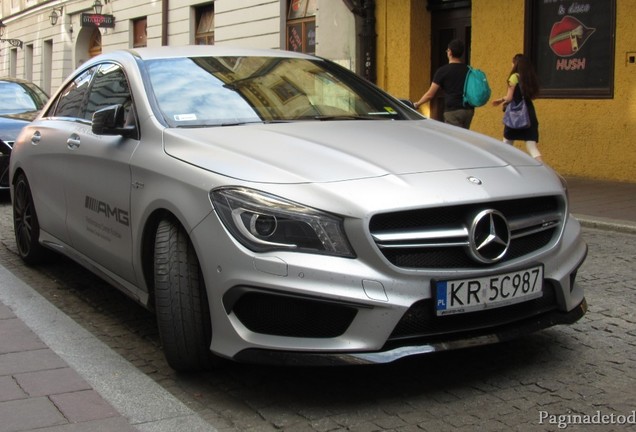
[(439, 237), (282, 315), (420, 321)]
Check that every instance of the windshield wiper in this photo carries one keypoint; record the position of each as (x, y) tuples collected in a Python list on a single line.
[(343, 117), (207, 125)]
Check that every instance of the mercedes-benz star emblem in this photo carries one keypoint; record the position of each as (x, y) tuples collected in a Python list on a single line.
[(489, 236)]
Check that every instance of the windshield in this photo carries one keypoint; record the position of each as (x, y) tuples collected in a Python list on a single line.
[(205, 91), (16, 98)]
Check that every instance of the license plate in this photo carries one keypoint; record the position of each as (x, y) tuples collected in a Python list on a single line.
[(469, 295)]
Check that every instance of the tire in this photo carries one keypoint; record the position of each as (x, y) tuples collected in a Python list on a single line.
[(25, 223), (183, 315)]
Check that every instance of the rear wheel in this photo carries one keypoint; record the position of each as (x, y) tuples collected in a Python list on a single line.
[(183, 315), (25, 223)]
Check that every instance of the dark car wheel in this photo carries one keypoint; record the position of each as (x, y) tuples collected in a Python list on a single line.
[(181, 302), (25, 223)]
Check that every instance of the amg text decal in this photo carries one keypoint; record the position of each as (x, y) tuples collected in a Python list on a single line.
[(103, 208)]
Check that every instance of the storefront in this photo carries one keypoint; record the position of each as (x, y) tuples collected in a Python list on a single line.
[(584, 52)]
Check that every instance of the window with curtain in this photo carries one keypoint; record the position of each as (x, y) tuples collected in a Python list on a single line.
[(204, 34)]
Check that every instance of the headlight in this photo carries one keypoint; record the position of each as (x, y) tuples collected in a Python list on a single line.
[(264, 222)]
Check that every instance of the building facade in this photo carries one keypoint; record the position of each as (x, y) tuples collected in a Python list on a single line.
[(57, 36), (587, 119), (584, 50)]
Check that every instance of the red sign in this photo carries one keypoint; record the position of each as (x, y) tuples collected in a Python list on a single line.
[(98, 20)]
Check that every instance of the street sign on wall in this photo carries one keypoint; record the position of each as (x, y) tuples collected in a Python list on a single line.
[(98, 20)]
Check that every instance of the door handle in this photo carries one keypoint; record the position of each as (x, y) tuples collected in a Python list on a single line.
[(73, 142), (36, 138)]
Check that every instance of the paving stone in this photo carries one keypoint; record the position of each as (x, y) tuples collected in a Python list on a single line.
[(6, 312), (29, 414), (50, 382), (83, 406), (10, 390), (113, 424), (15, 336), (28, 361)]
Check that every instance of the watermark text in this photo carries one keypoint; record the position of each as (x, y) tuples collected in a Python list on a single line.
[(562, 421)]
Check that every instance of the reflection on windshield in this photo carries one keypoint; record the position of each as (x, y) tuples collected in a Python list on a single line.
[(19, 98), (204, 91)]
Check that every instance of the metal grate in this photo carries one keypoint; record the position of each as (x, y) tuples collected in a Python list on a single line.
[(281, 315)]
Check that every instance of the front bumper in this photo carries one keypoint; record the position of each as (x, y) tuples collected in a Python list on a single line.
[(489, 336), (312, 309)]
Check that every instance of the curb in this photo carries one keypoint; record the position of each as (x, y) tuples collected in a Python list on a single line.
[(606, 223)]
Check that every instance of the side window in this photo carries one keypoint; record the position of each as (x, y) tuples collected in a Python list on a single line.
[(70, 101), (110, 87)]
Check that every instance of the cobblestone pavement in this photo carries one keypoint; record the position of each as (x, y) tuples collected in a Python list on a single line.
[(586, 369)]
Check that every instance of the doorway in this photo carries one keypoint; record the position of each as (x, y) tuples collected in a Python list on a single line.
[(88, 45), (447, 25)]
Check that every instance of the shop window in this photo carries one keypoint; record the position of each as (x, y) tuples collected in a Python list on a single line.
[(140, 33), (204, 25), (572, 46), (301, 26)]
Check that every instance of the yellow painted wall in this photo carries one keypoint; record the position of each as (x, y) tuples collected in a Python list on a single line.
[(403, 48), (593, 138)]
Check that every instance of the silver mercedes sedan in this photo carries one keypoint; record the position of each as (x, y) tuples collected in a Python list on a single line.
[(274, 207)]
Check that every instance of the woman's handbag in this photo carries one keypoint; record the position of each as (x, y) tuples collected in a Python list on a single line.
[(516, 115)]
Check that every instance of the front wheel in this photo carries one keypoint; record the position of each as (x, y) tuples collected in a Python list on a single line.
[(25, 223), (183, 315)]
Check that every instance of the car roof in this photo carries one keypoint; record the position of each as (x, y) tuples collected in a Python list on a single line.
[(206, 51), (16, 80)]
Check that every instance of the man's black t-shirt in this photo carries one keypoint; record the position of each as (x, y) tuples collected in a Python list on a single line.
[(451, 78)]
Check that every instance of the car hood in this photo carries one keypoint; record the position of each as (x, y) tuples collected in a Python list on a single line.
[(11, 125), (332, 151)]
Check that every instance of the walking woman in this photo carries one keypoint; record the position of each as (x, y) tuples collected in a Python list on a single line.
[(522, 84)]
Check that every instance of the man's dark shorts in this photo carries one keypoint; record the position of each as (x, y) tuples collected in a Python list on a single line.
[(460, 117)]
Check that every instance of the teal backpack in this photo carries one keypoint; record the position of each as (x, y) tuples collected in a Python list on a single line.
[(476, 88)]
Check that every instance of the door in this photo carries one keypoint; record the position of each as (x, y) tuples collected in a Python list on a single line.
[(98, 188), (49, 170), (446, 26)]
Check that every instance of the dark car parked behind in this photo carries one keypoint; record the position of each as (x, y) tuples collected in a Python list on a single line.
[(20, 103)]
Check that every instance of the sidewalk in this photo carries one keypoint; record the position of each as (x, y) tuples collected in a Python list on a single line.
[(56, 377), (602, 204)]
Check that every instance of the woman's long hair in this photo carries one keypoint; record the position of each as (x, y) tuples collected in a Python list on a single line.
[(528, 80)]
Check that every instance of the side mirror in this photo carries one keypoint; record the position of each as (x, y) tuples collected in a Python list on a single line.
[(408, 103), (112, 121)]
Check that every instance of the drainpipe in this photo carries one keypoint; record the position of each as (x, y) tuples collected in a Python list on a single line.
[(164, 21), (368, 41), (364, 11)]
